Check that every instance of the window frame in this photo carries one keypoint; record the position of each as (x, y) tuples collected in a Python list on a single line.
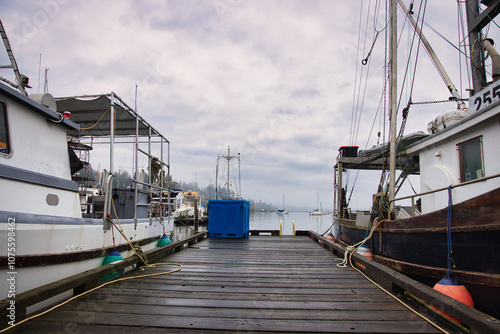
[(461, 162), (9, 152)]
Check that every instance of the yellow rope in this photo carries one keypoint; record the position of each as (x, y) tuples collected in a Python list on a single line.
[(97, 121), (352, 249), (104, 284), (98, 287)]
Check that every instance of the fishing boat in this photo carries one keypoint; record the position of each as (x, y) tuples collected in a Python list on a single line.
[(224, 188), (453, 223), (56, 219)]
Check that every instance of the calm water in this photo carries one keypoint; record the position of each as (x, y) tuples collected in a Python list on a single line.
[(270, 221), (303, 221)]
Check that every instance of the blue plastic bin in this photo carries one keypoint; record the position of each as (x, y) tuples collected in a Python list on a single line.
[(228, 219)]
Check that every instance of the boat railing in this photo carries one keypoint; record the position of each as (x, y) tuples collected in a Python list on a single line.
[(412, 197)]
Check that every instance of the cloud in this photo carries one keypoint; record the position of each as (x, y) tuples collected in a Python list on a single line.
[(272, 79)]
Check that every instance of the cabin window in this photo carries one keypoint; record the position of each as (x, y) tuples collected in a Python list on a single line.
[(4, 131), (470, 159)]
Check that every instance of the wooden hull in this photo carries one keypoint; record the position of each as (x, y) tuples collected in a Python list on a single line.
[(417, 246)]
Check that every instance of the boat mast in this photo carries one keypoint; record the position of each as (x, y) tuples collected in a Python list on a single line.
[(228, 168), (216, 178), (393, 101), (476, 48), (451, 87), (228, 158), (475, 22)]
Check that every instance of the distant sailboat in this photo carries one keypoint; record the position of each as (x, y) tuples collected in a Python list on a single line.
[(317, 212), (283, 211)]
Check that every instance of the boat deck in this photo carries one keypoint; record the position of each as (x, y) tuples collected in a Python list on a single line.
[(256, 284)]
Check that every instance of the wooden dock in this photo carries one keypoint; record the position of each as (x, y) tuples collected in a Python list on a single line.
[(256, 284)]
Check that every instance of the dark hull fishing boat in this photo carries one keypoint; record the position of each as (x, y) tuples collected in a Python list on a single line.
[(454, 222)]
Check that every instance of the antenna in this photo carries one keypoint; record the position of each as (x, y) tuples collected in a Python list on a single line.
[(39, 70), (46, 81), (227, 193)]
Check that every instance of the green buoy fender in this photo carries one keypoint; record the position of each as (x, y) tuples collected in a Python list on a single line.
[(164, 241), (112, 257)]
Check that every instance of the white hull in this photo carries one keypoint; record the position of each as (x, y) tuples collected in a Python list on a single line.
[(51, 241)]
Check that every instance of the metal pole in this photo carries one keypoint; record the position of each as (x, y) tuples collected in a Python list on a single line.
[(393, 100), (112, 135), (136, 157), (150, 178), (451, 87), (339, 190), (169, 208), (162, 178), (196, 213), (335, 190), (19, 77), (228, 159), (239, 173), (216, 177), (476, 47)]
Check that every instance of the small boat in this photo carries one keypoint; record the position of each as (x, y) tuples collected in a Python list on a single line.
[(282, 211), (57, 220), (319, 210), (190, 207)]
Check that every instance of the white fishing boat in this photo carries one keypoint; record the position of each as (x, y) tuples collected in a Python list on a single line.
[(53, 221), (226, 187)]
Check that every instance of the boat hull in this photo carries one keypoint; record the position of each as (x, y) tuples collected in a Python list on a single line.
[(417, 246), (50, 248)]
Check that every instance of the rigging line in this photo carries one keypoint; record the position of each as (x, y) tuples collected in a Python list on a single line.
[(365, 61), (382, 99), (409, 61), (358, 111), (362, 102), (355, 77), (386, 76), (439, 34), (375, 15), (361, 97)]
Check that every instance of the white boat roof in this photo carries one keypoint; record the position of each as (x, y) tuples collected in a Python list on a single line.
[(36, 107)]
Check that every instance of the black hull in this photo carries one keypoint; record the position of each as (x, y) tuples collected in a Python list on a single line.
[(423, 254)]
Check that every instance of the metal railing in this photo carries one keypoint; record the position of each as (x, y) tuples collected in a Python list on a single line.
[(412, 197)]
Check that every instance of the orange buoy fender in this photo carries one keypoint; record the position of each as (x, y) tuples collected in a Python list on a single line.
[(450, 286), (330, 237), (365, 251)]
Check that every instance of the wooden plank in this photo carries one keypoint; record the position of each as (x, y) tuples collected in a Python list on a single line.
[(477, 321), (258, 284), (80, 282), (253, 321)]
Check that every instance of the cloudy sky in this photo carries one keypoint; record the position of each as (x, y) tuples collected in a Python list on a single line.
[(275, 80)]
